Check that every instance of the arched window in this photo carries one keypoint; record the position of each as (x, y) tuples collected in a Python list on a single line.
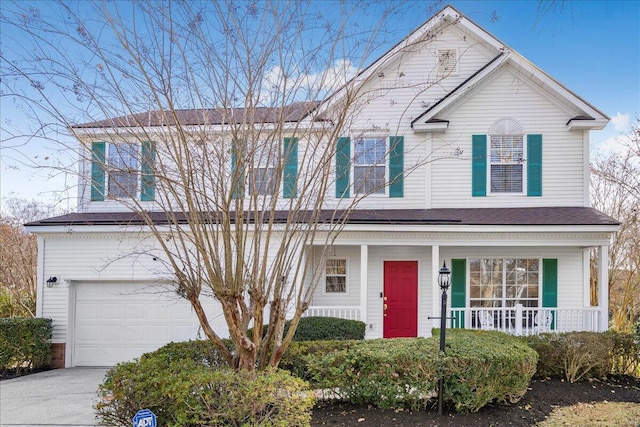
[(506, 156)]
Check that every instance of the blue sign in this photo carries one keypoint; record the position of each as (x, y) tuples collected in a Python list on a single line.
[(144, 418)]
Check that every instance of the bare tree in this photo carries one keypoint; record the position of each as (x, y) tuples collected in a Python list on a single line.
[(212, 103), (18, 256), (615, 184)]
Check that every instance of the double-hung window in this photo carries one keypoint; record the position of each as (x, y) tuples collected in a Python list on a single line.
[(123, 170), (263, 177), (507, 154), (369, 170), (336, 276)]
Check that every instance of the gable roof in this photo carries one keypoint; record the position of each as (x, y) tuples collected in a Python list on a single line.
[(590, 117)]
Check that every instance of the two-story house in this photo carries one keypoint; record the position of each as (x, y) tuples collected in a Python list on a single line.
[(487, 170)]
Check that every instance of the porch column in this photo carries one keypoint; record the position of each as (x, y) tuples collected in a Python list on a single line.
[(435, 287), (603, 287), (364, 281)]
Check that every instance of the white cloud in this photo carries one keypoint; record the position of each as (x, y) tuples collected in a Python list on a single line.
[(621, 122)]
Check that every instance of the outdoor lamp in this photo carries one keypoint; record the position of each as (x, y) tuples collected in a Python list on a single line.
[(444, 277), (444, 280), (51, 281)]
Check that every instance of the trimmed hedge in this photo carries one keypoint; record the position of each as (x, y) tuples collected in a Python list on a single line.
[(25, 344), (479, 367), (315, 328), (185, 384)]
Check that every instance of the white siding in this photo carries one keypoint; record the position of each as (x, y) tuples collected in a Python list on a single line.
[(509, 94), (352, 297)]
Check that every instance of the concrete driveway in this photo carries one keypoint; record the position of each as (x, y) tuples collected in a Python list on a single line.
[(61, 397)]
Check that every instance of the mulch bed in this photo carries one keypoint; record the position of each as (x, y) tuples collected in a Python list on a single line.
[(542, 397)]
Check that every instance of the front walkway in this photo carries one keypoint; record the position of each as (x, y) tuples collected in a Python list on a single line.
[(61, 397)]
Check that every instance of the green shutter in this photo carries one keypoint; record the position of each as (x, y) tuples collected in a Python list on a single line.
[(98, 159), (550, 285), (396, 166), (549, 282), (289, 184), (237, 173), (479, 165), (534, 165), (343, 164), (458, 288), (148, 179)]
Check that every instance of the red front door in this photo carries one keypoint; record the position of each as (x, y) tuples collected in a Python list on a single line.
[(400, 299)]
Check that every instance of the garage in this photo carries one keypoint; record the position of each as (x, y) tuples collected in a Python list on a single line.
[(116, 322)]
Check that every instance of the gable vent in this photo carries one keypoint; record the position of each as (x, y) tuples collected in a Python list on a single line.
[(447, 62)]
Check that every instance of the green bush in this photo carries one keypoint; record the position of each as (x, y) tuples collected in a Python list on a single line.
[(25, 344), (196, 390), (201, 352), (479, 367), (574, 355), (301, 353), (323, 329), (329, 328)]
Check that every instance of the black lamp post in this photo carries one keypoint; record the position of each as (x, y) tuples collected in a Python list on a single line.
[(444, 280)]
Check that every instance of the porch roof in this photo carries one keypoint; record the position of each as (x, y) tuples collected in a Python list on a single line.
[(446, 216)]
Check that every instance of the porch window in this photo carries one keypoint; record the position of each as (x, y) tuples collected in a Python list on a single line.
[(369, 170), (336, 276), (123, 170), (504, 282)]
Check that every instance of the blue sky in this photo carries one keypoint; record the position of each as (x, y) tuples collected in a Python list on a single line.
[(592, 47)]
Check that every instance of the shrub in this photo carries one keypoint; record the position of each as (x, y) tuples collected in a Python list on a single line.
[(25, 344), (479, 367), (301, 353), (185, 384), (573, 355), (625, 354), (329, 328), (323, 329)]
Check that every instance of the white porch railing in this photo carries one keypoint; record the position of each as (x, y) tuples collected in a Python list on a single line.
[(520, 320), (343, 312)]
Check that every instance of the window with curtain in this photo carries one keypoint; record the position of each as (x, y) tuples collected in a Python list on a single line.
[(506, 156), (263, 178)]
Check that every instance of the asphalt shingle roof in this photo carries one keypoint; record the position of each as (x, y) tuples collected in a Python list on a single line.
[(449, 216)]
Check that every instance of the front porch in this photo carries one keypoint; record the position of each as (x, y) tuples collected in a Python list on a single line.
[(517, 320)]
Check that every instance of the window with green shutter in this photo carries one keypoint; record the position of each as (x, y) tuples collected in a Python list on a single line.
[(479, 165), (343, 166), (534, 165), (396, 166), (290, 170), (98, 170)]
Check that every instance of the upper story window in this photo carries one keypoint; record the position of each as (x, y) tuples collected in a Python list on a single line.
[(369, 169), (370, 165), (336, 276), (123, 168), (263, 179), (506, 163)]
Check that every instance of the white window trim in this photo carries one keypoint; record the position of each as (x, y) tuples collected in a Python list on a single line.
[(347, 288), (107, 178), (352, 177), (524, 169), (503, 258)]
